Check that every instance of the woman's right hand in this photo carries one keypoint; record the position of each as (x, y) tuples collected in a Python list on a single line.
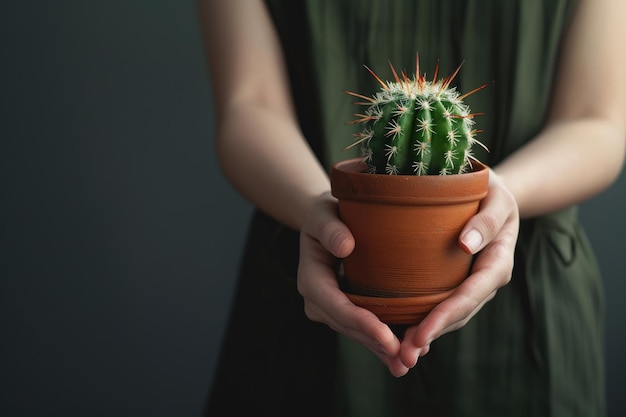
[(324, 241)]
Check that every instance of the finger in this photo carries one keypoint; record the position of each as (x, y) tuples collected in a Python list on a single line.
[(410, 352), (326, 303), (317, 282), (396, 367), (358, 324), (325, 226), (379, 339), (496, 210), (463, 321), (365, 328), (491, 271), (418, 338)]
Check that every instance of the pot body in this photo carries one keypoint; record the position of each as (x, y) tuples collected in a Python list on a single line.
[(406, 230)]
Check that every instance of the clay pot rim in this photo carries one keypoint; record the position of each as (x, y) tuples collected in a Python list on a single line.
[(349, 181)]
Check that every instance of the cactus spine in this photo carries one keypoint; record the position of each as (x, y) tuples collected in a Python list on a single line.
[(416, 126)]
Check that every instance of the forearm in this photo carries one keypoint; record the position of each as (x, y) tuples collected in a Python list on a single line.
[(266, 158), (260, 147), (581, 150), (565, 164)]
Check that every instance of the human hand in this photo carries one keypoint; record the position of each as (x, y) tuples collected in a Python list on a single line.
[(493, 232), (324, 241)]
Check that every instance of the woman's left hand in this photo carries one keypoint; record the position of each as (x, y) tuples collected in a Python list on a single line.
[(492, 234)]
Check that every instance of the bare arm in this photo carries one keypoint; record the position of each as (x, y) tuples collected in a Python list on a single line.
[(259, 144), (263, 153), (581, 150), (578, 153)]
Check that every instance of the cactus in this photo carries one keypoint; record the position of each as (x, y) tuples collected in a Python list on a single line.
[(416, 126)]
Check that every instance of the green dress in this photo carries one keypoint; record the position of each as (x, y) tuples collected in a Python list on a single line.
[(536, 348)]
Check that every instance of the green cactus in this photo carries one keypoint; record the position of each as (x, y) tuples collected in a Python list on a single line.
[(416, 127)]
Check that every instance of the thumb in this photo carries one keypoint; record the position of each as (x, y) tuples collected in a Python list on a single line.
[(324, 225), (497, 210)]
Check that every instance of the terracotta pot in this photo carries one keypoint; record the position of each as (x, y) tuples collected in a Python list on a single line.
[(407, 257)]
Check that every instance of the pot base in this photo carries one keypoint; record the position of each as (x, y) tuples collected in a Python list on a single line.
[(399, 310)]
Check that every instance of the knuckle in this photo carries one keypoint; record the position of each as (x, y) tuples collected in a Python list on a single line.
[(505, 272), (490, 224), (311, 313), (328, 234), (502, 252)]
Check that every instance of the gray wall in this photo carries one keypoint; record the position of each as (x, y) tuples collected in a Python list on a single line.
[(119, 239)]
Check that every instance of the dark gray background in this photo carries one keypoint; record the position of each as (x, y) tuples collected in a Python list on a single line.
[(119, 238)]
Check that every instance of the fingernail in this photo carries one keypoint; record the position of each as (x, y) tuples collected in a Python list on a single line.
[(471, 241)]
